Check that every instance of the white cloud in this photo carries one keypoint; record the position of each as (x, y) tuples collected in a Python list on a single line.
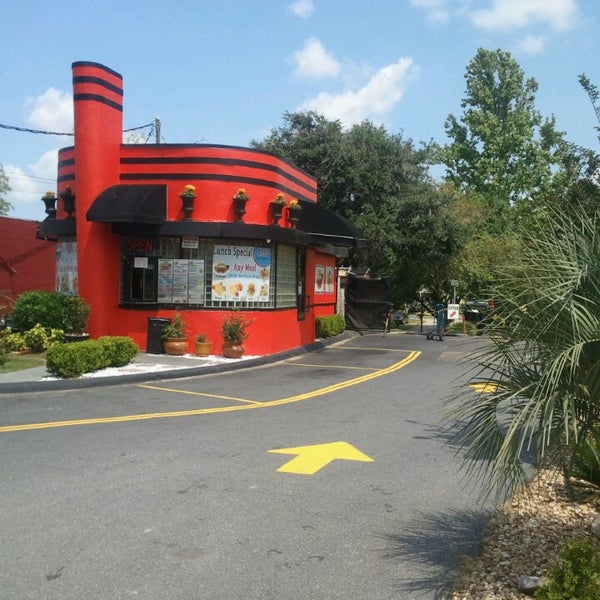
[(438, 11), (505, 15), (28, 187), (532, 44), (313, 61), (380, 94), (302, 8), (53, 111)]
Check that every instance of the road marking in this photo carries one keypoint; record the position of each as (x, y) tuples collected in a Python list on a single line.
[(412, 356), (346, 367), (311, 459), (484, 388), (191, 393)]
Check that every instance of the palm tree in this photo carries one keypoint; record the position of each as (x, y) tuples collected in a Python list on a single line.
[(538, 379)]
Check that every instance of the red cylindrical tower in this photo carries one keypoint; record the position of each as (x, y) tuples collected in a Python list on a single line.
[(98, 103)]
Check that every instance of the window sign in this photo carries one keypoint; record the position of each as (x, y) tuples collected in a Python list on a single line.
[(180, 281), (165, 280), (195, 281), (140, 262), (319, 279), (241, 273), (190, 241), (66, 268), (329, 280)]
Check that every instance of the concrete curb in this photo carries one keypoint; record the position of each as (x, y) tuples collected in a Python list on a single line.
[(86, 383)]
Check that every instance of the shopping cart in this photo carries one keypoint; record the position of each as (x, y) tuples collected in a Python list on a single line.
[(439, 323)]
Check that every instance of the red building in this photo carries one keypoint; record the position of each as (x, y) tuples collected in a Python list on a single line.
[(25, 263), (144, 250)]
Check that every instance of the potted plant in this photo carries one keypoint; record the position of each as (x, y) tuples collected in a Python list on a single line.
[(76, 316), (174, 336), (277, 207), (187, 198), (239, 203), (294, 209), (202, 345), (235, 332)]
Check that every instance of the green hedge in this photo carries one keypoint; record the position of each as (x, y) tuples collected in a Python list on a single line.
[(51, 310), (121, 350), (329, 326), (74, 359)]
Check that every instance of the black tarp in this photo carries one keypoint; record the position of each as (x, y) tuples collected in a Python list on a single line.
[(367, 301)]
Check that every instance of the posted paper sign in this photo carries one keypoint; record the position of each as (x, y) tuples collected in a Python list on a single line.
[(453, 312), (241, 273)]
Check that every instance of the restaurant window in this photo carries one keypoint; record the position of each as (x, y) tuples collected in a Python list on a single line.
[(207, 273)]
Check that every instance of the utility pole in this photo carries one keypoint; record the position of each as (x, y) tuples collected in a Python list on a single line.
[(157, 130)]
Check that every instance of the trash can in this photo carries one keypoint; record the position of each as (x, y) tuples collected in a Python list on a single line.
[(154, 343)]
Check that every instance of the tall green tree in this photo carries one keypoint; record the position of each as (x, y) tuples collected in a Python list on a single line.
[(496, 148), (5, 206), (381, 183)]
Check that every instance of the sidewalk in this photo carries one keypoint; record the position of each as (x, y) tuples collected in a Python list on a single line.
[(146, 367)]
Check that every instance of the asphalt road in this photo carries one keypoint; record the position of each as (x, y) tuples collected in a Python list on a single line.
[(174, 491)]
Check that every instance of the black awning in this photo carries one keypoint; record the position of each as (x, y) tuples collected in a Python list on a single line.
[(325, 226), (130, 204)]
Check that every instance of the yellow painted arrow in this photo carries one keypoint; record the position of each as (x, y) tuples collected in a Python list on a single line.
[(311, 459)]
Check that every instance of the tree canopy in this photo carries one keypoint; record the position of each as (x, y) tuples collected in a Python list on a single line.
[(379, 181)]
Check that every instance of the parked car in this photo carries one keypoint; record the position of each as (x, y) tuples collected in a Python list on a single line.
[(476, 312)]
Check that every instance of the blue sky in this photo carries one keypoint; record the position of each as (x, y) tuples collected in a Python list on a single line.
[(225, 71)]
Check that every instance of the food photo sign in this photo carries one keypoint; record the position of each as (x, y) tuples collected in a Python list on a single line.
[(241, 273)]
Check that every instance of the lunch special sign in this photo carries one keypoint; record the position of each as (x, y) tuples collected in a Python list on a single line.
[(241, 273)]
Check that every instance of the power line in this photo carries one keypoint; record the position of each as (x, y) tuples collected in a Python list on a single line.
[(44, 132)]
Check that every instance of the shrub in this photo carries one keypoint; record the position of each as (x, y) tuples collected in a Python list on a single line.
[(76, 314), (13, 342), (3, 352), (75, 359), (39, 339), (457, 327), (576, 574), (45, 308), (329, 325), (51, 310), (119, 350)]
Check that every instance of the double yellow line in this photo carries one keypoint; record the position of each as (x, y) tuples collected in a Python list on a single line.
[(248, 404)]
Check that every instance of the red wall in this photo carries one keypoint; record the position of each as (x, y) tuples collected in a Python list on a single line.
[(26, 263)]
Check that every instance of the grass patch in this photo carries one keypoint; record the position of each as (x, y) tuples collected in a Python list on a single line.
[(18, 362)]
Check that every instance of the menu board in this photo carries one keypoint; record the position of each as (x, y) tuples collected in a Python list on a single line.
[(195, 281), (165, 280), (241, 273), (180, 281)]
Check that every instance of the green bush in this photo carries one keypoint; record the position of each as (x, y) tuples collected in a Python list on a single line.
[(39, 339), (120, 350), (457, 327), (3, 352), (45, 308), (329, 325), (76, 314), (75, 359), (51, 310), (576, 574), (13, 342)]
